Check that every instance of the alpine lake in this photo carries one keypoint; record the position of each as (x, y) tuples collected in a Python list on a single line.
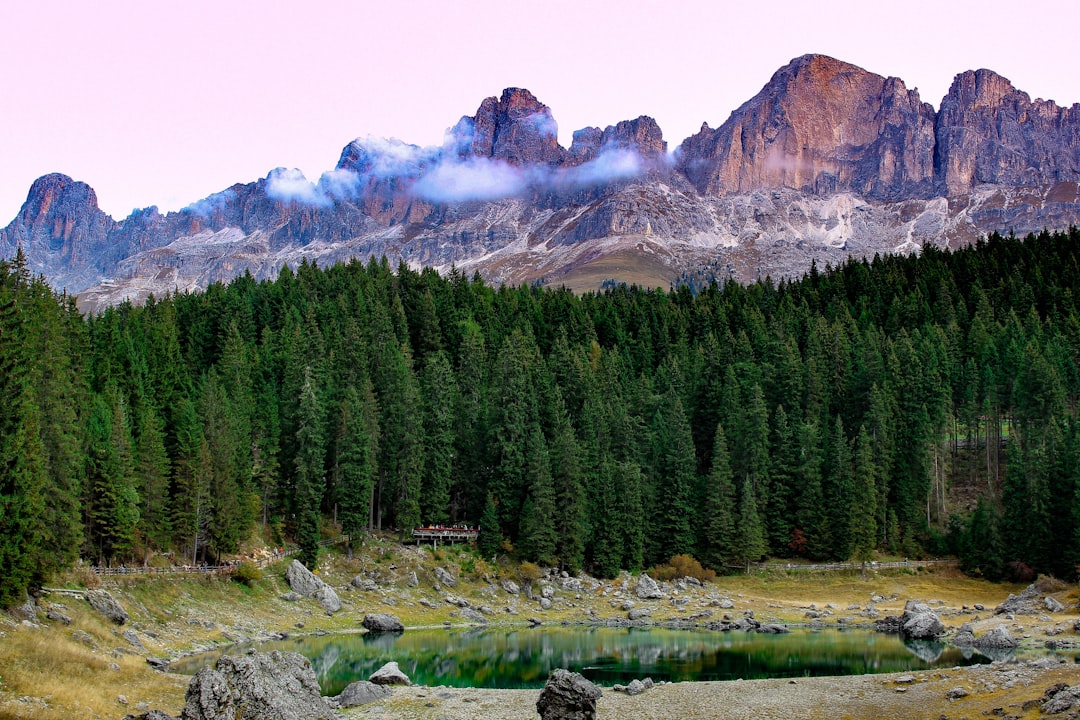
[(525, 657)]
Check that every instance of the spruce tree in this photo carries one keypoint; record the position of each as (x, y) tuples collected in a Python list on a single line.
[(718, 543), (310, 477), (863, 500)]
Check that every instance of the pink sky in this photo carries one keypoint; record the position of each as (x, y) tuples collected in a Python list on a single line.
[(162, 103)]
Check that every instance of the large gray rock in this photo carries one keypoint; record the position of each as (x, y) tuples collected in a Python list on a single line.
[(302, 580), (1053, 604), (105, 603), (307, 584), (267, 686), (443, 576), (328, 599), (390, 674), (1060, 699), (473, 616), (568, 696), (647, 589), (362, 692), (996, 638), (381, 622), (510, 587), (965, 636), (923, 626)]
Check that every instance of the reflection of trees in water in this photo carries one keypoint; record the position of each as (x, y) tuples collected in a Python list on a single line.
[(480, 657)]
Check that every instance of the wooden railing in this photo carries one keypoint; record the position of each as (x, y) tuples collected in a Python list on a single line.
[(898, 565), (227, 568)]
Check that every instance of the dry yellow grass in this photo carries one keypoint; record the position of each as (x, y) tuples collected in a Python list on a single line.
[(46, 673)]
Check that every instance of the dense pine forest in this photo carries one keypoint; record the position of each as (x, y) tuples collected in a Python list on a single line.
[(836, 416)]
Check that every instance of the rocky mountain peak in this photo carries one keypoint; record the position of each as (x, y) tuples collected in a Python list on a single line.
[(642, 136), (516, 128), (819, 125), (60, 218)]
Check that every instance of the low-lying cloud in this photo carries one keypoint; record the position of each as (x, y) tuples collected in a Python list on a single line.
[(441, 175)]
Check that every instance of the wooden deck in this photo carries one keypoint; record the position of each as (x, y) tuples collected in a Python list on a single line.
[(446, 534)]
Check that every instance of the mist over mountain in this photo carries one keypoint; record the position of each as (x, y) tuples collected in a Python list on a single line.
[(827, 160)]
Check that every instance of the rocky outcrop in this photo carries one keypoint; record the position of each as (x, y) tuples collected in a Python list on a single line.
[(382, 622), (269, 686), (989, 132), (568, 696), (390, 674), (918, 622), (106, 604), (996, 638), (515, 128), (306, 583), (823, 126), (647, 589), (361, 692)]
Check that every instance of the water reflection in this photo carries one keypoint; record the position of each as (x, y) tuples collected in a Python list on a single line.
[(523, 658)]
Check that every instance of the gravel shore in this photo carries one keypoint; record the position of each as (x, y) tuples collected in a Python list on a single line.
[(932, 695)]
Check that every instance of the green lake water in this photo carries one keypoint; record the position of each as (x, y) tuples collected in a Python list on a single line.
[(523, 658)]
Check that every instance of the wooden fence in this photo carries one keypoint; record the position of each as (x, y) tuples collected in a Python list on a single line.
[(899, 565), (227, 568)]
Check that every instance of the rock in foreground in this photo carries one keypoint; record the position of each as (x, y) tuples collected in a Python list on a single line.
[(361, 692), (390, 674), (568, 696), (381, 622), (267, 686)]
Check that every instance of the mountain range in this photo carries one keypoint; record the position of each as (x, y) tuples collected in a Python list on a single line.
[(826, 161)]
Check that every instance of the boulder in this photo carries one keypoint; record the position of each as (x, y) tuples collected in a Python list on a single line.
[(328, 599), (302, 580), (1060, 700), (411, 580), (638, 614), (58, 616), (291, 596), (269, 686), (996, 638), (545, 603), (390, 674), (647, 589), (105, 603), (362, 583), (443, 576), (381, 622), (473, 616), (151, 715), (510, 587), (923, 626), (361, 692), (568, 696), (1053, 605), (636, 687), (774, 629), (965, 636)]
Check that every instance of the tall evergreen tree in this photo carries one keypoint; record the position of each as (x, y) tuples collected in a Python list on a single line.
[(718, 543), (310, 472)]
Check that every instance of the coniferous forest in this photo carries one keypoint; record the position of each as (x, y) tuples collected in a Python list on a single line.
[(903, 405)]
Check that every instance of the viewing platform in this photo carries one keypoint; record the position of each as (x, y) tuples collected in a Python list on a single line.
[(453, 535)]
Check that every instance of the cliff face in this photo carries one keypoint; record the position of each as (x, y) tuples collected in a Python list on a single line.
[(989, 132), (821, 126), (827, 160)]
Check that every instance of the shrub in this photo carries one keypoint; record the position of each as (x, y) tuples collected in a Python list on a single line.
[(681, 566), (528, 573), (247, 573)]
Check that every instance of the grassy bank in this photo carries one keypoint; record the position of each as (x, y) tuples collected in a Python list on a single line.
[(49, 669)]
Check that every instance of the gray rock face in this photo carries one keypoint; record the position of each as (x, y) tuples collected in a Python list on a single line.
[(329, 600), (923, 626), (1061, 700), (105, 603), (647, 589), (390, 674), (568, 696), (510, 587), (381, 622), (965, 636), (473, 616), (362, 692), (268, 686), (638, 614), (302, 580), (307, 584), (996, 638), (443, 575), (1053, 605), (362, 583)]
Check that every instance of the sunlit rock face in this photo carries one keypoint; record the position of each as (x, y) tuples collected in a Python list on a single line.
[(827, 161)]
